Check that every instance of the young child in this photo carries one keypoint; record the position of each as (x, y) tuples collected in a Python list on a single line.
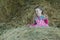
[(40, 19)]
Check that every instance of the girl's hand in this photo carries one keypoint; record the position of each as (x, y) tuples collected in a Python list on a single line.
[(46, 16)]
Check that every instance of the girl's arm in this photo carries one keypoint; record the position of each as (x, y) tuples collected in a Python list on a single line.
[(46, 16), (46, 19)]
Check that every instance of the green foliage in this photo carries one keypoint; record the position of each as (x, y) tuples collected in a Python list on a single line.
[(54, 3), (26, 33), (14, 13), (23, 10)]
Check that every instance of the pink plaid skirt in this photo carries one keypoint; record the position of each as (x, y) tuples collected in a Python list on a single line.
[(40, 23)]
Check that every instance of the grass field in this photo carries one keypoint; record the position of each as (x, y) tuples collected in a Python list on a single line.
[(26, 33), (16, 13)]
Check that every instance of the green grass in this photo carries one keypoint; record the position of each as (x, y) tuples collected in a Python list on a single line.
[(23, 10), (26, 33), (14, 13)]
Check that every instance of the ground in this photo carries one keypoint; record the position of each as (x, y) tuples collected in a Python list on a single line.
[(26, 33)]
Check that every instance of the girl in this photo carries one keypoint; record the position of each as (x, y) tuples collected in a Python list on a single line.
[(40, 19)]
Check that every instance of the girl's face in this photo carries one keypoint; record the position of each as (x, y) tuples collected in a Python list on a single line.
[(38, 12)]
